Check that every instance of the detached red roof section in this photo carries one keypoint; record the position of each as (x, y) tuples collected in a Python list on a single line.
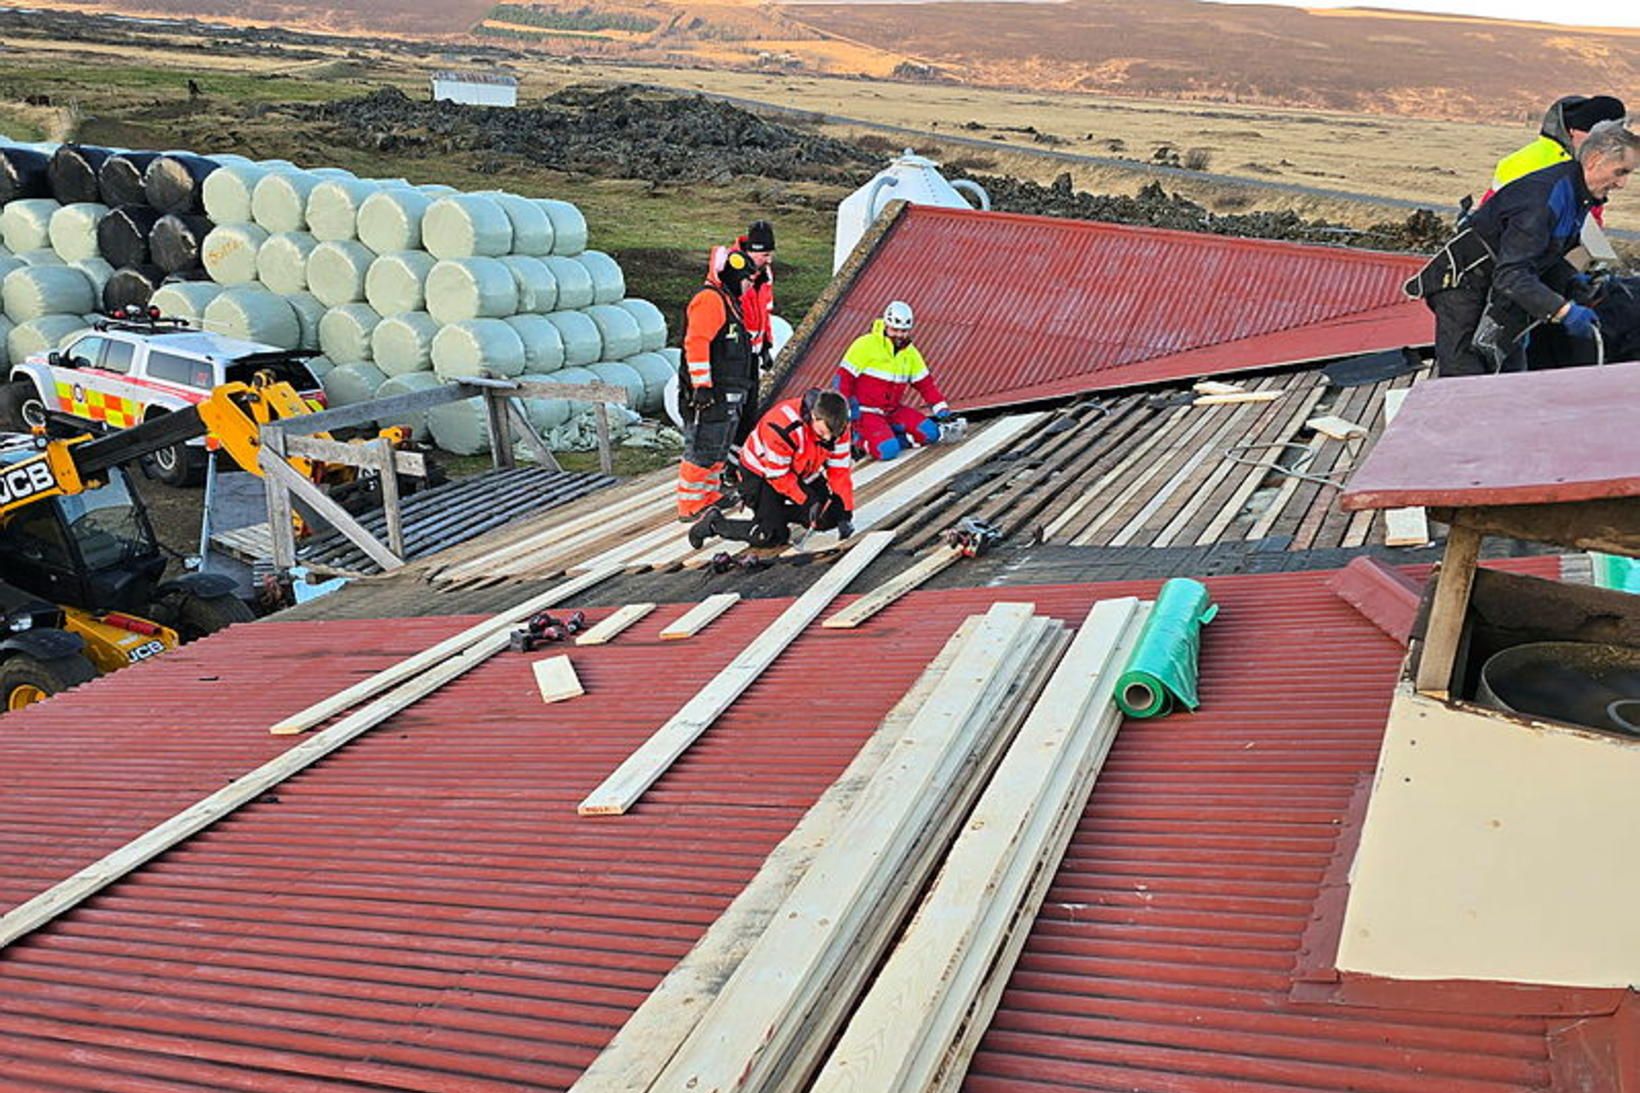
[(1016, 308)]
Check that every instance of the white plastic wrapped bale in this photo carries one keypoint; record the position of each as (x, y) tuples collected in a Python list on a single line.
[(617, 331), (543, 346), (608, 282), (348, 384), (545, 413), (402, 344), (344, 333), (73, 230), (466, 226), (279, 202), (582, 343), (651, 323), (333, 207), (229, 252), (436, 189), (471, 288), (537, 287), (656, 371), (39, 256), (37, 291), (575, 288), (569, 227), (5, 339), (531, 229), (396, 284), (336, 271), (41, 335), (26, 224), (281, 261), (331, 173), (320, 367), (460, 428), (624, 375), (97, 269), (390, 220), (309, 313), (474, 347), (9, 262), (186, 299), (228, 191), (253, 313), (409, 383)]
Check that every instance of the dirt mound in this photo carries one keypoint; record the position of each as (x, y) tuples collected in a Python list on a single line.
[(616, 132)]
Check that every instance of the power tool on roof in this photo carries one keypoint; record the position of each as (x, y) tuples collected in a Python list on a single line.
[(972, 537), (542, 629)]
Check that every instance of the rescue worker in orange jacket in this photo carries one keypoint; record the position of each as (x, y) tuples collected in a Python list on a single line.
[(756, 308), (874, 376), (716, 383), (795, 469)]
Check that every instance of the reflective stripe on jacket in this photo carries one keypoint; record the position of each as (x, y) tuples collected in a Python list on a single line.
[(716, 350), (873, 372), (784, 451)]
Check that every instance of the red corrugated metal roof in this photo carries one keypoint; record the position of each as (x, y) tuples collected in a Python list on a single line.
[(424, 910), (1014, 308)]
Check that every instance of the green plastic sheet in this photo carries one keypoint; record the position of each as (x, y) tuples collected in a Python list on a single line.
[(1162, 669)]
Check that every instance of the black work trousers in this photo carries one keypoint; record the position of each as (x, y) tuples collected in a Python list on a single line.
[(773, 513), (1458, 312)]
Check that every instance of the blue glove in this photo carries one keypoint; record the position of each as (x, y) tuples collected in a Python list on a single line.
[(854, 409), (943, 414), (1584, 289), (1580, 321)]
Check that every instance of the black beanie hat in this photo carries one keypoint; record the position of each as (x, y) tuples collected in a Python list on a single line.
[(1588, 113), (760, 237)]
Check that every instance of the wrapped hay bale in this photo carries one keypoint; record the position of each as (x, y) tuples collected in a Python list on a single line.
[(37, 291), (333, 207), (224, 159), (608, 282), (276, 165), (97, 270), (40, 256), (531, 229), (229, 191), (582, 342), (23, 175), (389, 221), (656, 371), (320, 367), (252, 313), (336, 271), (569, 227), (279, 202), (174, 183), (460, 428), (229, 253), (41, 335), (185, 300), (409, 383), (545, 413), (574, 281), (403, 344), (651, 323), (436, 189), (73, 230), (26, 224), (470, 288), (73, 173), (347, 384), (120, 178), (397, 283), (344, 333), (178, 240), (6, 326), (474, 347), (537, 287), (465, 226), (122, 235), (281, 261), (330, 173), (309, 313), (618, 331), (543, 347), (131, 286), (623, 375)]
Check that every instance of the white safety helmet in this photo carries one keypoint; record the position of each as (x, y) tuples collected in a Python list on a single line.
[(897, 317)]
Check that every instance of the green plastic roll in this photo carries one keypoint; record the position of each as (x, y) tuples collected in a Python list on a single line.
[(1162, 669)]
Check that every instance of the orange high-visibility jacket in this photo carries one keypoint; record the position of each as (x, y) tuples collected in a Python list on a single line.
[(784, 451)]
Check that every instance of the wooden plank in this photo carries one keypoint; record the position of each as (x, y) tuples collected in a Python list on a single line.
[(608, 629), (532, 439), (1250, 481), (556, 678), (904, 1026), (327, 708), (354, 455), (41, 909), (278, 471), (696, 619), (1325, 513), (1359, 526), (1298, 495), (1331, 425), (622, 788), (651, 1036), (1214, 387), (1448, 610), (388, 475), (1069, 522), (892, 589), (1240, 396), (1405, 526)]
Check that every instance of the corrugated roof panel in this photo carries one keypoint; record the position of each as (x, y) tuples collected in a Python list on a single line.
[(424, 910), (1013, 308)]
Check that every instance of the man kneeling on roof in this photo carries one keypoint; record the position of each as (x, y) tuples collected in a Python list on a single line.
[(874, 375), (795, 469)]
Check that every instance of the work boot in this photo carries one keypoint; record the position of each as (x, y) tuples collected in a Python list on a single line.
[(703, 529)]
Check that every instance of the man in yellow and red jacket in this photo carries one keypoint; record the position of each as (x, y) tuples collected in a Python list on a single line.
[(876, 372), (795, 468)]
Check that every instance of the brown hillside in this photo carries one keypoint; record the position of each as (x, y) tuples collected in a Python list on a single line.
[(393, 17)]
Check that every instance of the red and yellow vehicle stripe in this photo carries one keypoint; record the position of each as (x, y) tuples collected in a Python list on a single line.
[(94, 405)]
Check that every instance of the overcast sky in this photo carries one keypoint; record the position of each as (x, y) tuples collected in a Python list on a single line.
[(1588, 13)]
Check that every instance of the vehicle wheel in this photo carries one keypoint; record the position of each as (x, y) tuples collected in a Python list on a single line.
[(20, 406), (196, 617), (176, 465), (25, 680)]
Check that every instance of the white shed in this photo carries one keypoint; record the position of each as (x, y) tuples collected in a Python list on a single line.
[(475, 88)]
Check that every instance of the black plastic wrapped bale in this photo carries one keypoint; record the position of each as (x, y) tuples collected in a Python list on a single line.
[(23, 174), (74, 173), (122, 235), (121, 178), (132, 285), (176, 240), (175, 183)]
